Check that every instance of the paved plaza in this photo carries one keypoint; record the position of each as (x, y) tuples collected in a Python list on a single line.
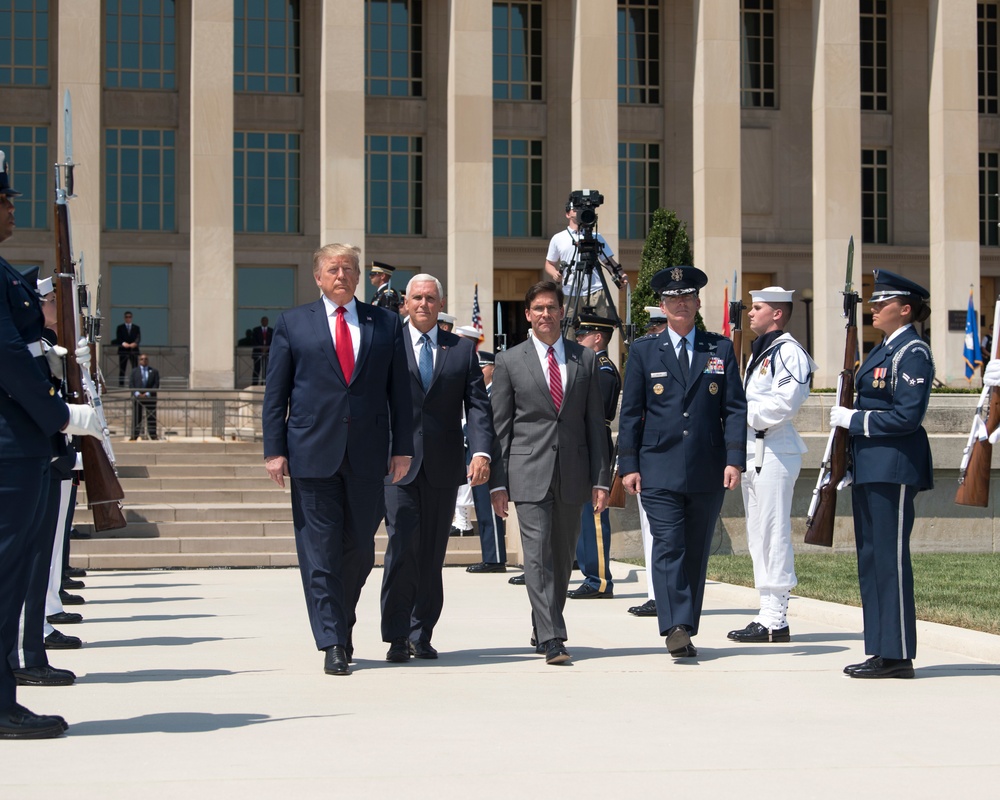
[(204, 683)]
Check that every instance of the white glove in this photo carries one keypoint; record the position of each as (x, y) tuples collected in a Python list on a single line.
[(83, 353), (54, 355), (83, 422), (991, 375), (840, 417)]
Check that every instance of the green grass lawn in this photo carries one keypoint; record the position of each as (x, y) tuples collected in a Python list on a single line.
[(960, 589)]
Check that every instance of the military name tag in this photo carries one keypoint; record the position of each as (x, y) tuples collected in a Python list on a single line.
[(657, 388), (658, 374), (713, 388)]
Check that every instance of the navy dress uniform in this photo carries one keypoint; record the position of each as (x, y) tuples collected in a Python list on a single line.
[(892, 462), (385, 296), (593, 548), (681, 434)]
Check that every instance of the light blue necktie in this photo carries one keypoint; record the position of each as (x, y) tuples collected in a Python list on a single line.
[(426, 361)]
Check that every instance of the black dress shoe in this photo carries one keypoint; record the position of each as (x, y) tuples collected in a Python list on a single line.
[(587, 592), (647, 609), (517, 580), (72, 583), (459, 531), (75, 572), (335, 662), (68, 599), (399, 651), (19, 723), (755, 632), (65, 618), (879, 667), (487, 566), (555, 652), (75, 534), (422, 650), (44, 676), (679, 642), (60, 641), (851, 667)]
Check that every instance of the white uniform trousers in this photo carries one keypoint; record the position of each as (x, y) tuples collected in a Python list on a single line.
[(767, 497), (647, 548), (53, 605)]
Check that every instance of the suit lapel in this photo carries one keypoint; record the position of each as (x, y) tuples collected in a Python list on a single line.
[(699, 359), (411, 358), (573, 354), (321, 325), (669, 358), (534, 368), (366, 320), (445, 343)]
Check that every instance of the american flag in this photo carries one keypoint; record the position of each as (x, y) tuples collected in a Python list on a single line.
[(477, 317)]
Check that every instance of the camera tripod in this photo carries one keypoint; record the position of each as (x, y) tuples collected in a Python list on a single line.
[(580, 273)]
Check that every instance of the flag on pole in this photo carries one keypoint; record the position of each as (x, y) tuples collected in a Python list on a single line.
[(477, 317), (725, 312), (973, 349)]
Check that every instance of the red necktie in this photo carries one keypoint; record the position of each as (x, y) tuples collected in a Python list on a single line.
[(344, 345), (555, 379)]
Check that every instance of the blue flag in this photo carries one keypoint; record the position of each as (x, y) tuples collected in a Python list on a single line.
[(973, 351)]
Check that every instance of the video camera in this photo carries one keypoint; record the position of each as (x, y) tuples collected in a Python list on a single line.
[(585, 201)]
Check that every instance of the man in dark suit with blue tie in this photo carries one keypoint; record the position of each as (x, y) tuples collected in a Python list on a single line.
[(337, 409), (144, 381), (444, 378), (682, 444)]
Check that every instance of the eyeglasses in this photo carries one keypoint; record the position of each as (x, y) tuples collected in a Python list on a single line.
[(544, 309)]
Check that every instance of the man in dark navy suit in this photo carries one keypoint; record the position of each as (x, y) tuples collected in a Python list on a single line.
[(337, 409), (260, 338), (892, 462), (127, 337), (144, 381), (444, 378), (682, 444), (31, 413)]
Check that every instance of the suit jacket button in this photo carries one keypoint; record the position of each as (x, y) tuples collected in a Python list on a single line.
[(554, 447), (344, 419), (686, 415), (686, 433)]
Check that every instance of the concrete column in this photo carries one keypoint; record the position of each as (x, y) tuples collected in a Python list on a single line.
[(470, 162), (954, 177), (213, 281), (718, 245), (594, 119), (342, 126), (836, 148), (80, 74)]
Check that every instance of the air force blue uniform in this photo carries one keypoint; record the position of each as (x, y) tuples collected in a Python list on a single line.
[(892, 462), (680, 437)]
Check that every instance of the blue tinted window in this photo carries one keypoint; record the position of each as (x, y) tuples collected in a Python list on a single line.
[(30, 171), (24, 43), (140, 45), (517, 50), (267, 46), (638, 187), (394, 185), (394, 48), (638, 51), (517, 187), (143, 289), (139, 191), (266, 182), (262, 292)]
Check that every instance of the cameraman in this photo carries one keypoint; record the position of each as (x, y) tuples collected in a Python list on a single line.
[(582, 286)]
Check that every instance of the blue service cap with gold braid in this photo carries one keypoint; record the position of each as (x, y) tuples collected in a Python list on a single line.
[(889, 285), (676, 281)]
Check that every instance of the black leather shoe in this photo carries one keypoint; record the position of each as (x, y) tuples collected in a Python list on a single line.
[(555, 653), (60, 641), (459, 532), (65, 618), (335, 662), (423, 650), (517, 580), (44, 676), (19, 723), (487, 566), (399, 651), (349, 651), (851, 667), (588, 592), (679, 643), (75, 534), (647, 609), (879, 667), (76, 572), (68, 599), (755, 632), (72, 583)]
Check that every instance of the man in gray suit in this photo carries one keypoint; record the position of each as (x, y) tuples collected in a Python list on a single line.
[(549, 420)]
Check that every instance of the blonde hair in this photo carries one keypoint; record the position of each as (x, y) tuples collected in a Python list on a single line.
[(349, 251)]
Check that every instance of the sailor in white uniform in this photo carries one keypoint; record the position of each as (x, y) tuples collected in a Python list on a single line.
[(777, 383)]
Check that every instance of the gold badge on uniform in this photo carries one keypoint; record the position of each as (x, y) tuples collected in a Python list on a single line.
[(52, 391), (657, 388), (713, 388)]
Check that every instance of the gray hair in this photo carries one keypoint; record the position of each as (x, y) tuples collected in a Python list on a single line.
[(423, 276)]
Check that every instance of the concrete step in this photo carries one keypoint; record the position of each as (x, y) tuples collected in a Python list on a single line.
[(157, 496), (199, 512), (129, 459), (200, 484), (220, 470), (153, 530)]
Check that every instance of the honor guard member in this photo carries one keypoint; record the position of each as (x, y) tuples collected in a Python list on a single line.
[(892, 462), (776, 384), (681, 443), (379, 276), (446, 322), (593, 549), (657, 322), (30, 413)]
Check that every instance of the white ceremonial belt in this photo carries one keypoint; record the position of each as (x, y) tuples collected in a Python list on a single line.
[(35, 348)]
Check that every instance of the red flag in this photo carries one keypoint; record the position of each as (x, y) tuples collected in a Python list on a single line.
[(725, 313)]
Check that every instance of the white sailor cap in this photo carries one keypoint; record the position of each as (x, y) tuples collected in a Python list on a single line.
[(45, 286), (655, 314), (467, 331), (772, 294), (442, 317)]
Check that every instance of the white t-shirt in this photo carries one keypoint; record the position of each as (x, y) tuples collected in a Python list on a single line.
[(562, 247)]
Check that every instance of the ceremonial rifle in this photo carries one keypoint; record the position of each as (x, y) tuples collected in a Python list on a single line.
[(736, 309), (823, 508), (104, 491), (974, 471)]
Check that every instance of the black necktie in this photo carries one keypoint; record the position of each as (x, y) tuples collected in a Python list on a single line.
[(685, 362)]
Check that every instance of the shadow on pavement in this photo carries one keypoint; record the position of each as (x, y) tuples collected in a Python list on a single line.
[(157, 641), (156, 675), (151, 618), (176, 722), (121, 600)]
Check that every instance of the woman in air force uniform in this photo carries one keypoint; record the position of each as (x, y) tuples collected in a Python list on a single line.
[(892, 462)]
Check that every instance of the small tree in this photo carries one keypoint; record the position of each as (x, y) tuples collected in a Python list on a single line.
[(667, 245)]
